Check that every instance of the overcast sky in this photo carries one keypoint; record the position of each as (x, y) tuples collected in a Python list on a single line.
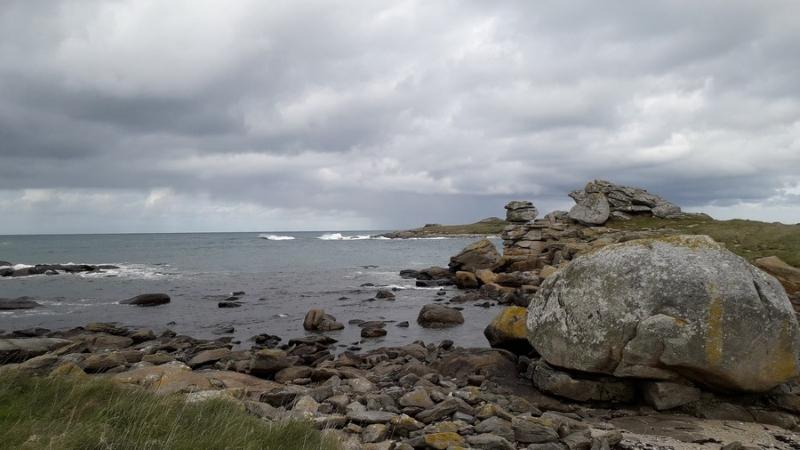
[(145, 116)]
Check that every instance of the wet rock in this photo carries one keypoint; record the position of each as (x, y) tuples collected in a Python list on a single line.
[(147, 300), (667, 307), (142, 335), (508, 330), (663, 395), (478, 255), (373, 332), (438, 316), (317, 320), (403, 324), (444, 409), (385, 294), (10, 304), (229, 304)]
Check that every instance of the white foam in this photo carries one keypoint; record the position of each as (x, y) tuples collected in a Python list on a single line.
[(275, 237), (134, 271), (356, 237)]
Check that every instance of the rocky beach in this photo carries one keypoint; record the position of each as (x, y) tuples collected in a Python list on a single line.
[(600, 335)]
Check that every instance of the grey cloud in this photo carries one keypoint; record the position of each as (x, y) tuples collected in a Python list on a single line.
[(386, 114)]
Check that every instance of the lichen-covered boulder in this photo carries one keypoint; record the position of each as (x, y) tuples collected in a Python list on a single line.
[(668, 307), (478, 255), (508, 331)]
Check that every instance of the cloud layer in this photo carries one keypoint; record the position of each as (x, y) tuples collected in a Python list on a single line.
[(210, 115)]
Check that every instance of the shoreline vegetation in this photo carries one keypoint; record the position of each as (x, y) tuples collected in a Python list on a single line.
[(78, 412), (490, 226)]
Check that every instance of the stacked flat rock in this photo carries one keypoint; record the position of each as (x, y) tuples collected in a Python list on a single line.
[(520, 212), (601, 200), (529, 241)]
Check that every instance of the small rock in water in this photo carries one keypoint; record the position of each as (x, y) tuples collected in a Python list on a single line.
[(385, 294), (403, 324), (367, 285), (237, 293), (355, 321), (228, 304), (372, 332), (442, 292), (147, 300), (223, 330), (343, 298)]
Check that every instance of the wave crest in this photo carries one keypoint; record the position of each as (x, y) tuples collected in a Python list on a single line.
[(276, 237)]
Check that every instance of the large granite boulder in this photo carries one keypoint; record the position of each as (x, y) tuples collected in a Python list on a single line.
[(591, 209), (478, 255), (663, 308)]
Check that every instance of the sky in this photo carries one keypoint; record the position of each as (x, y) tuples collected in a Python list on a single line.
[(196, 115)]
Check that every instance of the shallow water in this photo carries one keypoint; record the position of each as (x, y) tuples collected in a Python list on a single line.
[(282, 278)]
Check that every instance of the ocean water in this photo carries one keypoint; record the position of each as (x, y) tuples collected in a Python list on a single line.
[(282, 274)]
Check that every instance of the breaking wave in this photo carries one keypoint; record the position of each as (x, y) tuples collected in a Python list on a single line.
[(276, 237), (342, 237)]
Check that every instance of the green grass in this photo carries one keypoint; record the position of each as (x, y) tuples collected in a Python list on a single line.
[(61, 413), (747, 238), (484, 227)]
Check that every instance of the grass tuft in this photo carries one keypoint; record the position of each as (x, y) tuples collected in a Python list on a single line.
[(62, 413)]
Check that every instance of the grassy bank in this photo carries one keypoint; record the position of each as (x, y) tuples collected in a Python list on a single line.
[(747, 238), (46, 413), (492, 226)]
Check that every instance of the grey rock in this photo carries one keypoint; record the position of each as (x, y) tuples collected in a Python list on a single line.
[(666, 307), (489, 441), (529, 430), (18, 350), (478, 255), (10, 304), (601, 389), (520, 212), (147, 300), (496, 426), (663, 395), (438, 316), (418, 397), (593, 209), (369, 417), (667, 210)]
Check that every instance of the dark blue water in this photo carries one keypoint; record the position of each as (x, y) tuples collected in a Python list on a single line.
[(282, 280)]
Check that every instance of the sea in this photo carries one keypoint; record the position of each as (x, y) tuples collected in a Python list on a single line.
[(282, 275)]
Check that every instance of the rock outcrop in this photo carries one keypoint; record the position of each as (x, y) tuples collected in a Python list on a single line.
[(668, 308), (478, 255), (602, 199), (520, 212)]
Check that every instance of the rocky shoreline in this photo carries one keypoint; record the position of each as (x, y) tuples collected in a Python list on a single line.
[(413, 396), (607, 338)]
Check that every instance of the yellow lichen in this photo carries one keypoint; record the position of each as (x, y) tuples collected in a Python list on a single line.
[(714, 331)]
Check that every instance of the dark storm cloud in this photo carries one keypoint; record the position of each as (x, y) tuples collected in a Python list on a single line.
[(126, 116)]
